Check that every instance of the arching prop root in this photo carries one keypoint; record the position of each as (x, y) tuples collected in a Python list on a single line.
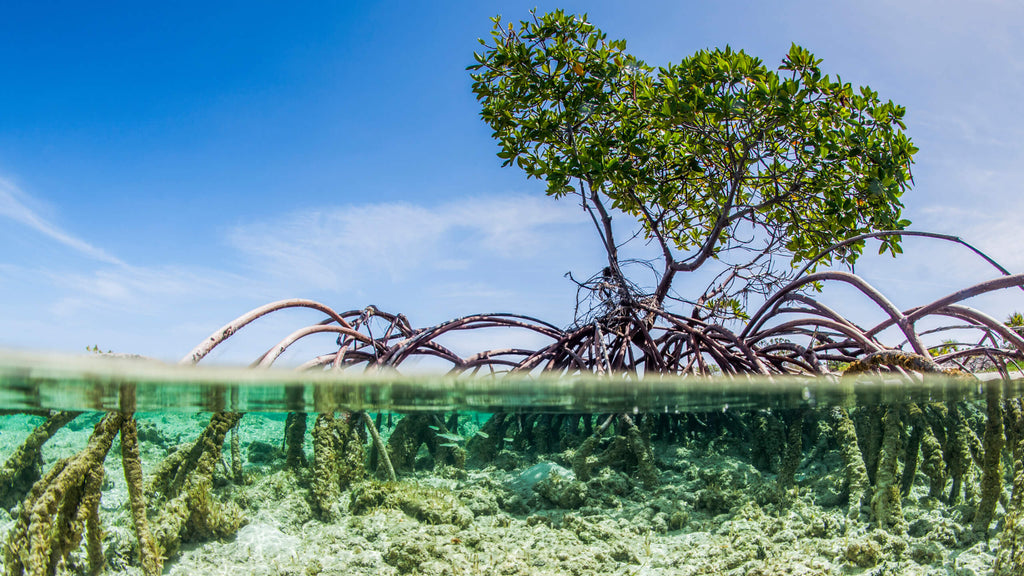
[(964, 454), (791, 334)]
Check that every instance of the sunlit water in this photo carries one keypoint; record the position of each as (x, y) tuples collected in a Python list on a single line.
[(31, 382), (749, 475)]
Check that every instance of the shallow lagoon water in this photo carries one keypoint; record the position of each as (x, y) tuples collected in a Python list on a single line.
[(498, 477)]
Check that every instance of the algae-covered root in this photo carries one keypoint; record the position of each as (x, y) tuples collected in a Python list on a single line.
[(794, 450), (886, 507), (325, 485), (19, 472), (641, 449), (1010, 561), (190, 509), (294, 438), (149, 553), (992, 469), (582, 461), (338, 458), (59, 508), (922, 441), (171, 474), (853, 463)]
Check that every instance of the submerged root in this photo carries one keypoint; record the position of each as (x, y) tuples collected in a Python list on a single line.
[(641, 450), (60, 507), (886, 508), (379, 445), (149, 553), (482, 449), (630, 445), (583, 461), (992, 469), (236, 457), (22, 469), (1010, 561), (325, 484), (185, 482), (415, 430), (294, 437), (794, 451), (338, 457), (853, 463)]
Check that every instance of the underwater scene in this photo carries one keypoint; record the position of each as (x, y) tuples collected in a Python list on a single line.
[(117, 467)]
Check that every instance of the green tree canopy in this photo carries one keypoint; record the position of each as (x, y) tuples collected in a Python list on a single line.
[(719, 158)]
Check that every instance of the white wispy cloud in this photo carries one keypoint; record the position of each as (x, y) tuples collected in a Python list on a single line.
[(333, 248), (456, 257), (13, 205), (141, 290)]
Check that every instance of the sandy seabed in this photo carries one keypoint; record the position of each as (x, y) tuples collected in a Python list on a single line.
[(712, 512)]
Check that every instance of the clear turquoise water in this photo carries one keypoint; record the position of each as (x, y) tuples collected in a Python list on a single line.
[(32, 382), (749, 476)]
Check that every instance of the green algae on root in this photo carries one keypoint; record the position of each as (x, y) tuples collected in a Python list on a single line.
[(22, 469), (185, 482), (794, 450), (415, 430), (922, 440), (1010, 561), (60, 507), (641, 450), (627, 447), (853, 462), (325, 483), (992, 470), (236, 457), (149, 552), (338, 458), (426, 504), (294, 437), (885, 500)]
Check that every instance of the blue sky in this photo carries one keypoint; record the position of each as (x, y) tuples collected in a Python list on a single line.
[(164, 168)]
